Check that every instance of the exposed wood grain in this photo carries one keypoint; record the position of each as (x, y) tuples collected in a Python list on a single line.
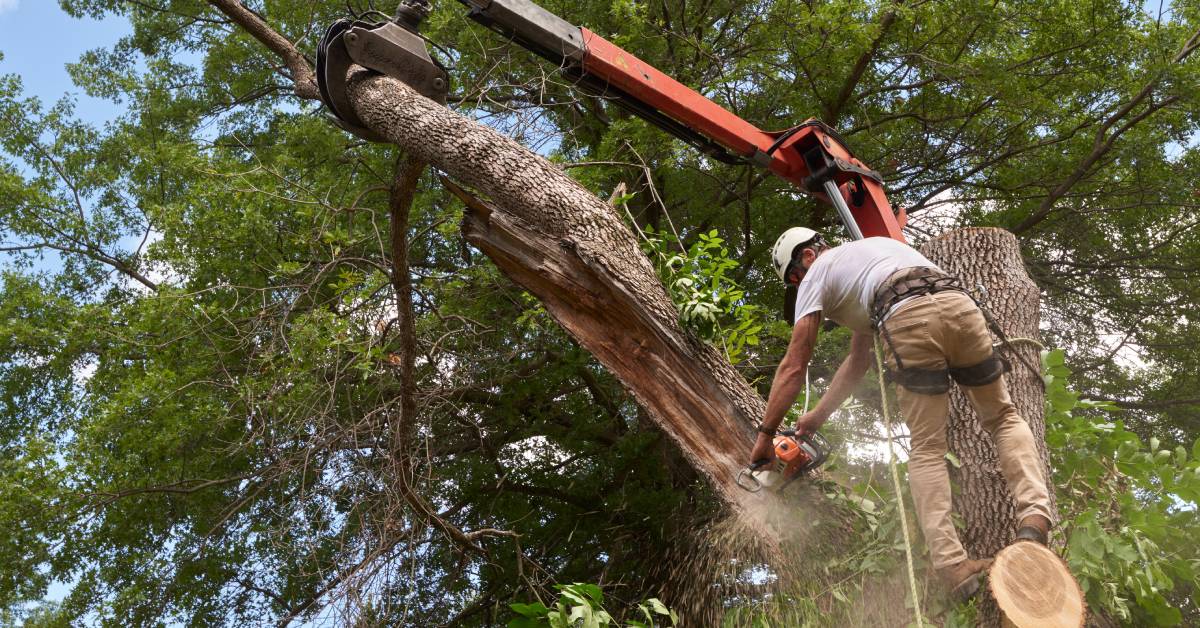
[(1034, 589)]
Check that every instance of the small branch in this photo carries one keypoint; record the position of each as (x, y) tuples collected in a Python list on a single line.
[(303, 78), (834, 110), (183, 487), (1148, 405), (1104, 140), (403, 191), (90, 253), (400, 200)]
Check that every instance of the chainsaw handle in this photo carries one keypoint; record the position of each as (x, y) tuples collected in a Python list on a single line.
[(746, 480)]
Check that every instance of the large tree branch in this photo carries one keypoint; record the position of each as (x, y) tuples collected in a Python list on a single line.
[(572, 250), (834, 110), (303, 78)]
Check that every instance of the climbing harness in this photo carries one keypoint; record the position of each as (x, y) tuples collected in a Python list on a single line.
[(920, 281)]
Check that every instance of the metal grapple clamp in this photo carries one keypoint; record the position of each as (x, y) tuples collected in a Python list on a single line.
[(391, 48)]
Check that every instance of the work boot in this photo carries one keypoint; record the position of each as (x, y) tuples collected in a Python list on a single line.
[(963, 579), (1034, 528)]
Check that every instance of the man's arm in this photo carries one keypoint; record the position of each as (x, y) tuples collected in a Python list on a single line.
[(847, 377), (789, 379), (789, 376)]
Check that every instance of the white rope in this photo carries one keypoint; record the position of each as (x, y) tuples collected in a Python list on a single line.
[(908, 552), (806, 388)]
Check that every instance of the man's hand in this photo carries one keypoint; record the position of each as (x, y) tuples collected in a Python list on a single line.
[(764, 448), (810, 422)]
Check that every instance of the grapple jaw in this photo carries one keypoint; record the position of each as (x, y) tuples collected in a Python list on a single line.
[(390, 48)]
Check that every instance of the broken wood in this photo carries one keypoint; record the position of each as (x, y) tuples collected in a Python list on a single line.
[(1034, 589)]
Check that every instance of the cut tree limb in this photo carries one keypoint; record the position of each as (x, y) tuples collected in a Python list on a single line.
[(572, 250), (1034, 589)]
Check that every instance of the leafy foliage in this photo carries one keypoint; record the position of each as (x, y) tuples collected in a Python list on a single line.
[(581, 605), (200, 355), (710, 301), (1129, 509)]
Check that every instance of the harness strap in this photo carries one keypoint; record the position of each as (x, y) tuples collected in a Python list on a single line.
[(924, 382), (909, 282), (986, 372), (920, 281), (996, 329)]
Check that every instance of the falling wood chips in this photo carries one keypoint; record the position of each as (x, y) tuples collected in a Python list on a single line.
[(1034, 588)]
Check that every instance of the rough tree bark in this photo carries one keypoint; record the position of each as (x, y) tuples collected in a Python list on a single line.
[(572, 250), (992, 258)]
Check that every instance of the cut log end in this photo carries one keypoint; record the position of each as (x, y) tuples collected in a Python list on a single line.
[(1034, 588)]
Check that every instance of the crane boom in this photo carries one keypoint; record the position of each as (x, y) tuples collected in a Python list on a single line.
[(811, 155)]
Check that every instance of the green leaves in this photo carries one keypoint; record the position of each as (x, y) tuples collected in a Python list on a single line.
[(654, 613), (1128, 507), (580, 605), (266, 360), (710, 302)]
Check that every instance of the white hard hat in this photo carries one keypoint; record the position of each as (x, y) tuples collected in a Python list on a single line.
[(781, 253)]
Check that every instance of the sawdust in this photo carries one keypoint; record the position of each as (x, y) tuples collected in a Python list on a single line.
[(769, 563)]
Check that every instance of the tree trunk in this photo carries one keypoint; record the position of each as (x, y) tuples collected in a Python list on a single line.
[(992, 258), (574, 253)]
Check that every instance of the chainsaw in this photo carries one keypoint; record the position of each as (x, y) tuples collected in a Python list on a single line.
[(795, 456)]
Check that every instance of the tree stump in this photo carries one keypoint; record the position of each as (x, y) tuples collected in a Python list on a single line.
[(991, 258), (1034, 589)]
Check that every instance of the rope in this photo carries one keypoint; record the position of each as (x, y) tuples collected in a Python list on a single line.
[(806, 390), (908, 551)]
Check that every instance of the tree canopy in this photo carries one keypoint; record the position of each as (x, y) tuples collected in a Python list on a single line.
[(201, 316)]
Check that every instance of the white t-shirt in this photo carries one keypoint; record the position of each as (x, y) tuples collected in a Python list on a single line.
[(842, 281)]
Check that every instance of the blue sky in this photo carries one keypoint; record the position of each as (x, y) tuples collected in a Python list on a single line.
[(40, 59), (41, 62)]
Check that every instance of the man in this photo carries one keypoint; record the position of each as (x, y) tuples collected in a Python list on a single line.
[(931, 331)]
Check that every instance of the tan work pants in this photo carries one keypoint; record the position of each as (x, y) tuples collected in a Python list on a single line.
[(947, 329)]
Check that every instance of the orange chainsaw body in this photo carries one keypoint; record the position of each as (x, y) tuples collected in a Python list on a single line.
[(795, 455), (790, 457)]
